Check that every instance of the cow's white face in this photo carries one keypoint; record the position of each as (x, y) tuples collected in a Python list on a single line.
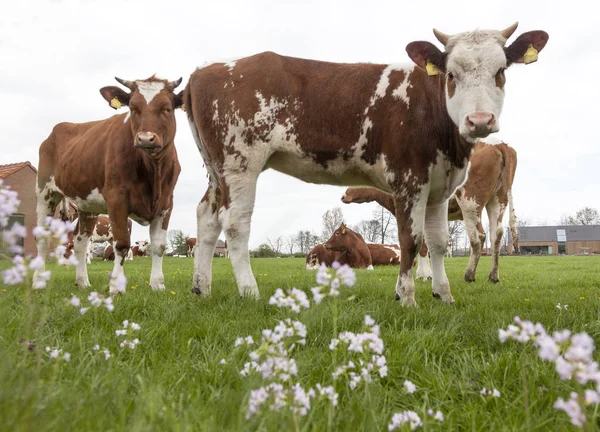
[(472, 67), (142, 245), (475, 82)]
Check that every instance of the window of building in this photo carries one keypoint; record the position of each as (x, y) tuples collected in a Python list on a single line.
[(561, 235)]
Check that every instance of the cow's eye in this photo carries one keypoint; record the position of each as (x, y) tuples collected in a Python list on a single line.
[(450, 76), (167, 110), (337, 233)]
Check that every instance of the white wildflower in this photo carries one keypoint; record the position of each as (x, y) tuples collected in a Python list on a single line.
[(409, 418), (409, 387)]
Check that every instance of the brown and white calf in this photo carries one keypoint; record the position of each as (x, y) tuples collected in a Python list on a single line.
[(140, 249), (489, 186), (190, 244), (384, 254), (319, 255), (125, 166), (403, 129), (102, 232), (350, 247)]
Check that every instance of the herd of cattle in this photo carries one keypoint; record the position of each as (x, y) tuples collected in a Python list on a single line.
[(411, 132)]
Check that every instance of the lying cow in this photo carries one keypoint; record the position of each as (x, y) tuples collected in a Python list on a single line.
[(190, 243), (488, 186), (125, 166), (384, 254), (319, 255), (351, 248), (403, 129), (140, 249)]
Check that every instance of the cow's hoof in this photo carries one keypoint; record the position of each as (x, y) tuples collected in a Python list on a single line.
[(197, 291), (493, 279), (429, 278), (397, 298), (436, 296), (469, 277)]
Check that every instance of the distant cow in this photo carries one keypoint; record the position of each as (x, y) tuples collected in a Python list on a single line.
[(191, 244), (406, 130), (102, 232), (125, 166), (351, 247), (140, 249), (319, 255), (384, 254), (109, 253), (488, 186)]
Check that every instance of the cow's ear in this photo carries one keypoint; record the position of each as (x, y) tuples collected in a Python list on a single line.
[(178, 101), (115, 97), (526, 47), (427, 56)]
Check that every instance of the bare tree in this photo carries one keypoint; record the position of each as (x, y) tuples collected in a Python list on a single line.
[(369, 229), (456, 230), (290, 244), (276, 245), (521, 222), (332, 219), (305, 240), (584, 216), (387, 224)]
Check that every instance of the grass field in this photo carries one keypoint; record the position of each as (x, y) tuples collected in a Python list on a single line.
[(173, 380)]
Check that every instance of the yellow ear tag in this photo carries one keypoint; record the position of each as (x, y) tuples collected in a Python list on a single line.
[(431, 69), (115, 103), (531, 55), (343, 230)]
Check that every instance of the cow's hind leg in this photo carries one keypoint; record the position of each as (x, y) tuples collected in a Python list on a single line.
[(424, 268), (158, 244), (236, 223), (209, 229), (436, 236), (81, 247)]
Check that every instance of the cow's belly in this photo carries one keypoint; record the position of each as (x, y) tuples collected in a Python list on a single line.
[(338, 171), (93, 203)]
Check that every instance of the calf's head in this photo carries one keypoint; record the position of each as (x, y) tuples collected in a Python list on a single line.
[(142, 245), (473, 65), (152, 104)]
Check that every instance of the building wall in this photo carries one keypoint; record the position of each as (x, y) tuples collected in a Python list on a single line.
[(573, 248), (23, 182), (554, 245)]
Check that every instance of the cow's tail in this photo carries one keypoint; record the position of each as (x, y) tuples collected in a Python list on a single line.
[(512, 222)]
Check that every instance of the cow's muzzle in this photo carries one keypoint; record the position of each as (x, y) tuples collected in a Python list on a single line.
[(480, 124), (147, 141)]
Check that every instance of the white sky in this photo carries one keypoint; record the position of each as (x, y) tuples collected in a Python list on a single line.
[(56, 55)]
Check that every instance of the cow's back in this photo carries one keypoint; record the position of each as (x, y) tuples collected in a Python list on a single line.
[(384, 254)]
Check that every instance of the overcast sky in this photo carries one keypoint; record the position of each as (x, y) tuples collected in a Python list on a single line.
[(56, 55)]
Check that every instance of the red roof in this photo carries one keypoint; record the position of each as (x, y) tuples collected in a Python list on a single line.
[(6, 170)]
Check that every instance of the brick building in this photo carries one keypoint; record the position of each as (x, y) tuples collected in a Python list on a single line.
[(21, 177), (558, 240)]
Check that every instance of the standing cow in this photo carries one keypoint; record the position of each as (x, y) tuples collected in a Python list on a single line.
[(489, 186), (406, 130), (190, 243), (125, 166)]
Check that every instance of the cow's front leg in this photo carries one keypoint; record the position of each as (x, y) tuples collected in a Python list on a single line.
[(436, 236), (121, 243), (158, 244), (410, 215)]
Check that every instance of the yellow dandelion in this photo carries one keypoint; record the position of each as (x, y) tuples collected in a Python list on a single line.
[(173, 292), (3, 290), (146, 281), (526, 299), (581, 298), (380, 279)]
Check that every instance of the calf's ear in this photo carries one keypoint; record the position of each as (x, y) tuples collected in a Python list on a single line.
[(178, 101), (526, 47), (115, 97)]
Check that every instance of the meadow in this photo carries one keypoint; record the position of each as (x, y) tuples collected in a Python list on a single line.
[(174, 379)]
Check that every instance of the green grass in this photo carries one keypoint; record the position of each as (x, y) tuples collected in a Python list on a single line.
[(173, 380)]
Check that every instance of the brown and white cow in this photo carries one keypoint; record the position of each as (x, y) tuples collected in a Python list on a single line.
[(489, 186), (351, 248), (125, 166), (319, 255), (384, 254), (403, 129), (190, 244)]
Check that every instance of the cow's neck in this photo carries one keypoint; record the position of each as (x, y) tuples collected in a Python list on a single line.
[(156, 166)]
